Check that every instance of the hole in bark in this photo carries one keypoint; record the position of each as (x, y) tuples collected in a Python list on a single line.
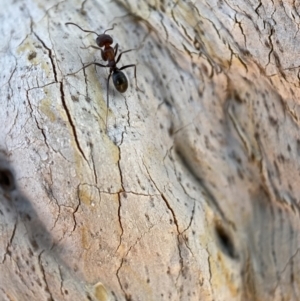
[(34, 244), (128, 297), (6, 179), (31, 55), (225, 241), (89, 297)]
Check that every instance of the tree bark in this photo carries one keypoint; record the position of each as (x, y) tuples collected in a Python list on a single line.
[(184, 189)]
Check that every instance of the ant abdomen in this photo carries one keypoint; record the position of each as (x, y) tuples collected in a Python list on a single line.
[(120, 81)]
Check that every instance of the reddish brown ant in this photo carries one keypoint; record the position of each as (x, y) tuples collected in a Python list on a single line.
[(109, 54)]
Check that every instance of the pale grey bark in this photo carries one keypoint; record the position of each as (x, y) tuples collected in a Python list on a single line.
[(191, 193)]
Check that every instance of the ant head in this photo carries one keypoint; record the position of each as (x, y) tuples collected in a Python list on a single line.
[(104, 40)]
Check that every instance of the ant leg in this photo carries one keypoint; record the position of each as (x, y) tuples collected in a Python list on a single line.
[(107, 97), (119, 57), (116, 49), (97, 64), (132, 65), (91, 46), (95, 47)]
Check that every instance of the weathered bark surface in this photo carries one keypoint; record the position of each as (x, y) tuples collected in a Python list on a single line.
[(192, 193)]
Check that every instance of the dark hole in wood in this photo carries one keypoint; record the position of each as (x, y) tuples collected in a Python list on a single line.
[(6, 179), (225, 242)]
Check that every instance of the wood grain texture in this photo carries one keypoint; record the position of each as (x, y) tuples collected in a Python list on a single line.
[(192, 191)]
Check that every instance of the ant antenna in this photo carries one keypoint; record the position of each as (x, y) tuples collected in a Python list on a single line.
[(82, 29), (109, 28)]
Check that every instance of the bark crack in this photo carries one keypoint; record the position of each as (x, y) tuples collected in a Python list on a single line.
[(7, 251), (61, 280), (241, 28), (270, 44), (47, 289), (50, 194), (73, 127), (267, 182), (273, 221), (119, 198), (85, 80), (174, 218), (93, 164), (185, 239), (208, 195), (120, 220), (289, 262), (75, 210), (49, 54), (42, 131), (36, 121), (210, 271), (120, 170), (127, 296), (240, 133), (164, 27), (128, 119), (257, 8), (237, 56), (9, 80)]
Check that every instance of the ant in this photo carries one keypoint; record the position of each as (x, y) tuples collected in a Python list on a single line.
[(109, 54)]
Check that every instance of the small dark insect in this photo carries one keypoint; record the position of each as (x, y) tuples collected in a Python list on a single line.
[(109, 54)]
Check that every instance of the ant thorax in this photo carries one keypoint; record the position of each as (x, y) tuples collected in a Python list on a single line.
[(108, 54)]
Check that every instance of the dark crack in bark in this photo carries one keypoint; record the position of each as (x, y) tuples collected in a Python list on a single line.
[(175, 221), (120, 220), (119, 198), (49, 54), (241, 28), (270, 44), (73, 127), (93, 164), (7, 251), (209, 195), (210, 271), (47, 289)]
